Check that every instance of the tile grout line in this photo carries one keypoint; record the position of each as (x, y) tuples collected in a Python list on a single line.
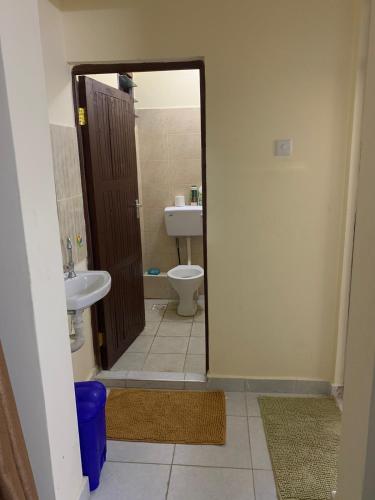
[(170, 473), (206, 466), (251, 453), (187, 350), (148, 352)]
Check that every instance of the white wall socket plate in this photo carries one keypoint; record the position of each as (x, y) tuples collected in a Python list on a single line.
[(283, 147)]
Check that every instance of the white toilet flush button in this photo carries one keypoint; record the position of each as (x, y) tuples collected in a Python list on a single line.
[(283, 147)]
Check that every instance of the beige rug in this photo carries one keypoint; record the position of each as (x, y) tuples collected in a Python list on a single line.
[(156, 416), (303, 436)]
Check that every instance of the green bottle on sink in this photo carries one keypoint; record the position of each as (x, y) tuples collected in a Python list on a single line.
[(194, 195)]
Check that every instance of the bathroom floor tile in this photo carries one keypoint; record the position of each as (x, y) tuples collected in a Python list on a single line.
[(172, 305), (150, 329), (235, 453), (171, 315), (150, 303), (126, 481), (154, 316), (170, 345), (264, 485), (164, 363), (126, 451), (199, 315), (174, 329), (235, 404), (195, 363), (197, 345), (141, 344), (208, 483), (165, 335), (259, 451), (253, 409), (198, 330), (130, 361)]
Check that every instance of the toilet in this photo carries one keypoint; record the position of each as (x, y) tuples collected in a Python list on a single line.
[(185, 279)]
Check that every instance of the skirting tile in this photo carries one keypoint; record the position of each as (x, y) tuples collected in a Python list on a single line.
[(155, 380), (265, 385), (226, 384), (195, 381), (312, 387)]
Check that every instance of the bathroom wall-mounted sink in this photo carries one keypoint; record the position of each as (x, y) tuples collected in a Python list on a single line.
[(86, 288)]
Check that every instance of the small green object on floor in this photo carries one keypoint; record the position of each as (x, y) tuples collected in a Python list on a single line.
[(154, 271), (303, 437)]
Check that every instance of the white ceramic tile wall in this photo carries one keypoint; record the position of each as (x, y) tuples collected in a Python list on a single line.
[(170, 162), (68, 190)]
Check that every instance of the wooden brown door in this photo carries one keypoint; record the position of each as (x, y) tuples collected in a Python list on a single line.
[(110, 166)]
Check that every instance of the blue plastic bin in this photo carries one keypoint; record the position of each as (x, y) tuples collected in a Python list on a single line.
[(90, 399)]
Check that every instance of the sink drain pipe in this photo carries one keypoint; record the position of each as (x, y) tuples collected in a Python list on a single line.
[(77, 323)]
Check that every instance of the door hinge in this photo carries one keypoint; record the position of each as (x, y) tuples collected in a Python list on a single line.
[(101, 339), (82, 116)]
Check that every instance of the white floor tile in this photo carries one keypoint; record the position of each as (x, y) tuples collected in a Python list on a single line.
[(170, 345), (125, 481), (149, 303), (174, 329), (172, 305), (198, 330), (259, 450), (200, 315), (195, 363), (264, 485), (164, 363), (208, 483), (141, 344), (235, 453), (150, 329), (235, 404), (253, 409), (154, 315), (171, 315), (148, 453), (197, 345), (130, 361)]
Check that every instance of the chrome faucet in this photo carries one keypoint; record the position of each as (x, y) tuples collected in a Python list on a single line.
[(70, 265)]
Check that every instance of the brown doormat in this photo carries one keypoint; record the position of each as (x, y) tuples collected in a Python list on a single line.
[(156, 416), (303, 437)]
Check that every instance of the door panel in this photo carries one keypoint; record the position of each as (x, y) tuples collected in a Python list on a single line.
[(110, 165)]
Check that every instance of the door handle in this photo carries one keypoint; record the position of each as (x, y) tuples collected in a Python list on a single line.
[(137, 207)]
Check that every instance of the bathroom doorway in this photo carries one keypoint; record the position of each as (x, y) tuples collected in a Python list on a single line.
[(149, 121)]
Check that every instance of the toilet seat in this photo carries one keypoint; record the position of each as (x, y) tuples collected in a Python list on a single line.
[(186, 272)]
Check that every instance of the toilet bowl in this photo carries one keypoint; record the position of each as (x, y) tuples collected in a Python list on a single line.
[(186, 280)]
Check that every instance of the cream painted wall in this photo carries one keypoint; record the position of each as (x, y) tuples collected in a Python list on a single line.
[(352, 183), (60, 111), (34, 329), (110, 79), (57, 71), (356, 478), (283, 69), (167, 89)]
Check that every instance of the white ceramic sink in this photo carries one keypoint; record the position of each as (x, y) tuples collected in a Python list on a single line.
[(86, 288)]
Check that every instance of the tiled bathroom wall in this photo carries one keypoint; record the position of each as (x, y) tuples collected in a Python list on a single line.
[(71, 221), (169, 155), (170, 162), (68, 190)]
